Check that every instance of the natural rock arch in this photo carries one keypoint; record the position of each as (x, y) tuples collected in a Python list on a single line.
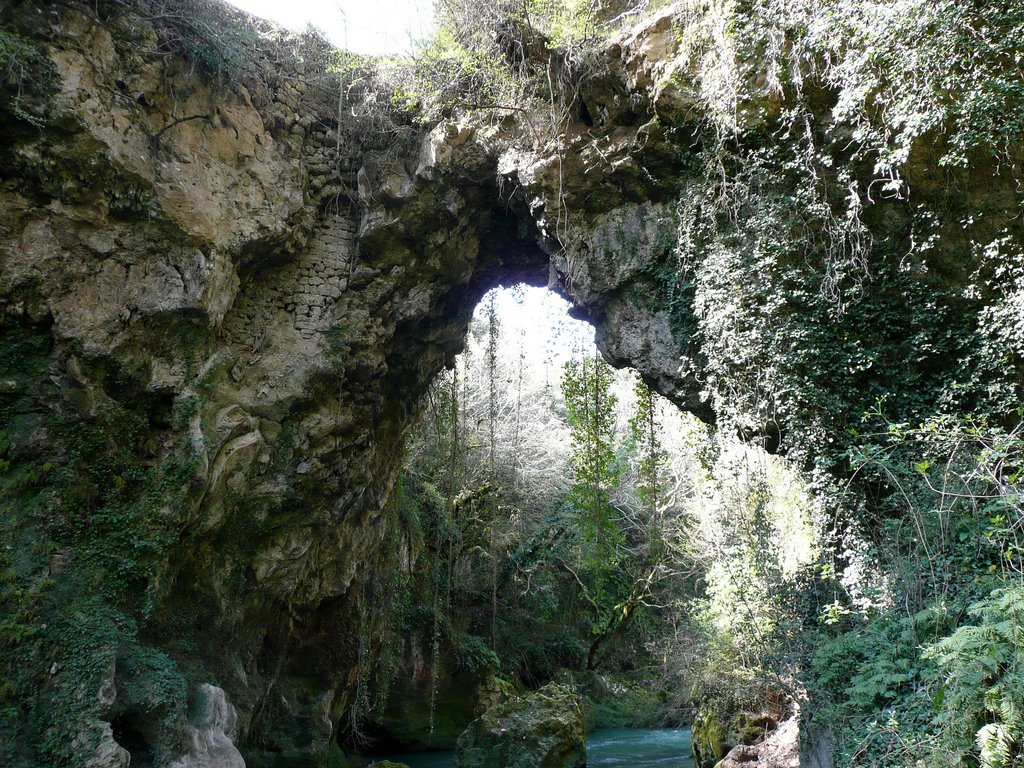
[(269, 288), (262, 282)]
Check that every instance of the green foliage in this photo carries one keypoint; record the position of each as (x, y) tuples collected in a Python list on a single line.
[(24, 359), (909, 692), (90, 503), (445, 76), (818, 286), (905, 668), (94, 642), (798, 336), (901, 73), (118, 508), (222, 43), (517, 579), (500, 54), (756, 543), (25, 587), (539, 629), (21, 602), (472, 654), (871, 667), (950, 486), (983, 682), (951, 69), (566, 23), (25, 74), (644, 429), (590, 406), (815, 300), (820, 290)]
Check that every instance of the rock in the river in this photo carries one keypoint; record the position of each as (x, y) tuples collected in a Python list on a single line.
[(715, 740), (778, 747), (540, 730)]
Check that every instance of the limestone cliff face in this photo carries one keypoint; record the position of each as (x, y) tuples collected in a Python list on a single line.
[(188, 254), (212, 300), (222, 301)]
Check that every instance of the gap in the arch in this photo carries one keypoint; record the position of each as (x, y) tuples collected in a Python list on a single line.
[(536, 320)]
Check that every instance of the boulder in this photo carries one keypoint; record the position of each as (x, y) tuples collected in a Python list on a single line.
[(544, 729), (739, 756), (714, 739), (210, 737), (761, 741), (780, 749), (96, 748)]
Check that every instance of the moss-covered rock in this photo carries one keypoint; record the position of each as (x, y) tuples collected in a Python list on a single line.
[(544, 729), (706, 740), (713, 738)]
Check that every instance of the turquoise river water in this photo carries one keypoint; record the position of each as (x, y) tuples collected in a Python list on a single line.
[(606, 748)]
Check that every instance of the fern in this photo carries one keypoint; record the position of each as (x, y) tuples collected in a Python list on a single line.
[(996, 742), (983, 669)]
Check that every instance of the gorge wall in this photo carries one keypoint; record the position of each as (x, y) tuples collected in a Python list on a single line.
[(225, 291)]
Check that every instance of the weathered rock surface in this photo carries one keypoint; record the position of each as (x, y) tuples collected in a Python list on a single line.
[(780, 749), (209, 738), (544, 729), (100, 750), (757, 740)]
